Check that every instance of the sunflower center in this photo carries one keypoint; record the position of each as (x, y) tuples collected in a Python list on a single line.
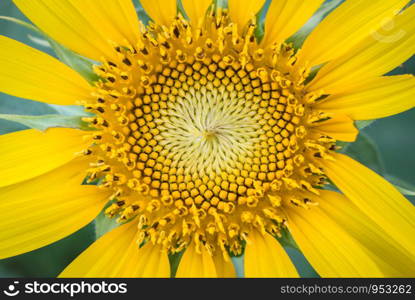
[(207, 132), (202, 135)]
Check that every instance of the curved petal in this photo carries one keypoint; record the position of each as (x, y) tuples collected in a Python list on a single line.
[(196, 10), (30, 153), (392, 259), (116, 254), (374, 98), (374, 56), (286, 17), (196, 264), (241, 11), (48, 208), (153, 262), (161, 11), (29, 73), (330, 250), (346, 26), (265, 257), (224, 267), (376, 197), (339, 127), (87, 27)]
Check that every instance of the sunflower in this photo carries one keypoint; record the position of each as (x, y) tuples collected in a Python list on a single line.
[(206, 140)]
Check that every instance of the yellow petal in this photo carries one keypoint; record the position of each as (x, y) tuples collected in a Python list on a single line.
[(340, 127), (392, 259), (153, 262), (196, 10), (328, 247), (286, 17), (242, 11), (30, 153), (224, 267), (374, 98), (376, 197), (48, 208), (196, 265), (265, 257), (116, 254), (346, 26), (376, 55), (161, 11), (86, 27), (29, 73)]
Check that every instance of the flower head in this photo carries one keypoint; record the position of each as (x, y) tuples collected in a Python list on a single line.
[(208, 140)]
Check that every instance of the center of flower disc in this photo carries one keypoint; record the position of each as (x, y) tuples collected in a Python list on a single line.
[(202, 135), (208, 132)]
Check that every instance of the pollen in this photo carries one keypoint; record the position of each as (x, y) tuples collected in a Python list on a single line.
[(203, 136)]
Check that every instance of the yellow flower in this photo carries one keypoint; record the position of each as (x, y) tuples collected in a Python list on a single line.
[(209, 141)]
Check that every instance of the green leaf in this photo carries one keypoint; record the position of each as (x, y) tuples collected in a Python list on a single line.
[(39, 41), (141, 13), (181, 10), (14, 105), (260, 19), (363, 124), (21, 23), (298, 38), (238, 263), (104, 224), (174, 260), (300, 262), (221, 3), (49, 261), (44, 122), (303, 266), (366, 152), (71, 110), (404, 187), (80, 64), (287, 240)]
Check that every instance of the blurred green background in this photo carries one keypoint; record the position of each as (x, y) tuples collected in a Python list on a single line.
[(394, 137)]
